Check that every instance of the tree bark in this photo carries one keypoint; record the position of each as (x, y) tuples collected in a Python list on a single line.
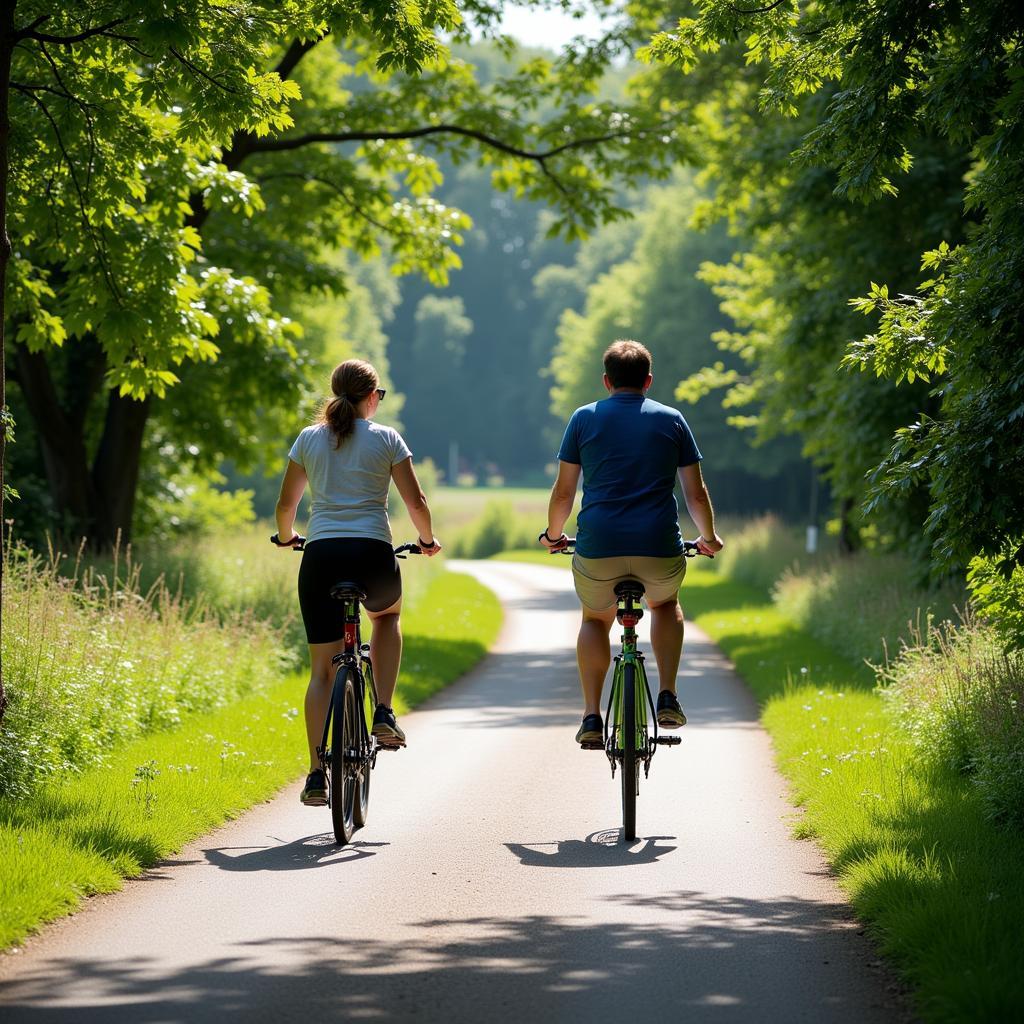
[(7, 41), (61, 439), (115, 472), (848, 539)]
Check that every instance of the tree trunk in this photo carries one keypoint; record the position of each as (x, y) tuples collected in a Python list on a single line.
[(115, 472), (7, 42), (848, 540), (62, 442)]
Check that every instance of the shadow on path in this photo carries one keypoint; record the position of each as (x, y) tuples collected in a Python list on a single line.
[(599, 850), (309, 852), (692, 956)]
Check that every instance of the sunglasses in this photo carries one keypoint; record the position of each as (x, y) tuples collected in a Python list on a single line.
[(381, 393)]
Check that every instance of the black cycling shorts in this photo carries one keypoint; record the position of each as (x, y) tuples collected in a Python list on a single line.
[(370, 564)]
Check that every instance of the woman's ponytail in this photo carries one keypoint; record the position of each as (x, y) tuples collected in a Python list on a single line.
[(351, 382)]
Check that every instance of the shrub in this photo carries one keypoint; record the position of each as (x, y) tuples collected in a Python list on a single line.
[(759, 552), (498, 529), (997, 594), (961, 696)]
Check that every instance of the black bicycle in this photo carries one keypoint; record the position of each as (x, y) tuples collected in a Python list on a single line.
[(631, 723), (348, 750)]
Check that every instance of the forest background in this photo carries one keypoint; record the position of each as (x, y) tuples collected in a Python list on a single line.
[(735, 187)]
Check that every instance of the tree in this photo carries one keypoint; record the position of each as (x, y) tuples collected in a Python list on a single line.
[(655, 296), (898, 79), (209, 193)]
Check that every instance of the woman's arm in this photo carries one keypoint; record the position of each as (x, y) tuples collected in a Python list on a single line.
[(292, 486), (416, 502)]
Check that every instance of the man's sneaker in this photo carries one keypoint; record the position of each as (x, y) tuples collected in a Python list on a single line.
[(591, 733), (314, 793), (385, 728), (670, 714)]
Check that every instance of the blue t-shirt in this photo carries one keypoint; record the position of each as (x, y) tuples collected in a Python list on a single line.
[(630, 449)]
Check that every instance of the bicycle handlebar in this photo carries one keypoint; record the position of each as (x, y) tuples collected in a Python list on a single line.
[(690, 548), (298, 543)]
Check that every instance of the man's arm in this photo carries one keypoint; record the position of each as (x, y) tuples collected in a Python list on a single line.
[(563, 496), (698, 504)]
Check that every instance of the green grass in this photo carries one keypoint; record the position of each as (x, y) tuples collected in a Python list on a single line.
[(86, 833), (941, 889), (537, 555)]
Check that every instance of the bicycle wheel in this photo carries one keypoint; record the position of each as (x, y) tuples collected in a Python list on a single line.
[(629, 752), (361, 810), (344, 741)]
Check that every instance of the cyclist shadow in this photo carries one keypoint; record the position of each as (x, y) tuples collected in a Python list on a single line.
[(599, 850), (309, 852)]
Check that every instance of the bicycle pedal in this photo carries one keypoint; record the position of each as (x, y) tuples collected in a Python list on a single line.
[(670, 741), (592, 745)]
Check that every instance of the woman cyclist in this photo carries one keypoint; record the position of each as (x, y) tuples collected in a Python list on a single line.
[(348, 462)]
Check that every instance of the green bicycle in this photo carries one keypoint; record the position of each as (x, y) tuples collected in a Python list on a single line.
[(631, 723)]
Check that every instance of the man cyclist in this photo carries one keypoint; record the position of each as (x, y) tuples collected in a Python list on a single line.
[(629, 450)]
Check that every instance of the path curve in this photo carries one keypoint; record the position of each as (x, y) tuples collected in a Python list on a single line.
[(490, 882)]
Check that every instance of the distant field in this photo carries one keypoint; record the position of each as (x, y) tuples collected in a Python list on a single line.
[(455, 507)]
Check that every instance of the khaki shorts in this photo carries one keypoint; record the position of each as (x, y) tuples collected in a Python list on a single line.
[(595, 578)]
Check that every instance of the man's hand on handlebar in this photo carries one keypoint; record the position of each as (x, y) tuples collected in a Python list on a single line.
[(557, 544), (297, 541), (709, 545)]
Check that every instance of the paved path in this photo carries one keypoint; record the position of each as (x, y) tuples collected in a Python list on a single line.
[(489, 883)]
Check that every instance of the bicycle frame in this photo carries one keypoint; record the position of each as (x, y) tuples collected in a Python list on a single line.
[(355, 658), (614, 741)]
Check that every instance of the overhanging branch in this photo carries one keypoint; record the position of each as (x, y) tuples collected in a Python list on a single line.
[(377, 135), (29, 32)]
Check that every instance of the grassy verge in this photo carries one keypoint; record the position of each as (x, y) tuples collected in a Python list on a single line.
[(84, 834), (534, 555), (941, 888)]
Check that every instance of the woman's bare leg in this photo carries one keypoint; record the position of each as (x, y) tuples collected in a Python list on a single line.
[(318, 694), (386, 650)]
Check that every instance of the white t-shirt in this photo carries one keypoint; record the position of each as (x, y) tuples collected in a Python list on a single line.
[(349, 485)]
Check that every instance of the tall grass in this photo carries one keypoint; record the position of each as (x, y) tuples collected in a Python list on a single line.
[(92, 661), (960, 697), (865, 605)]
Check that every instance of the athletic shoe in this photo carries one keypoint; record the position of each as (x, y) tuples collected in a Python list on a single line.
[(314, 793), (385, 728), (591, 733), (670, 714)]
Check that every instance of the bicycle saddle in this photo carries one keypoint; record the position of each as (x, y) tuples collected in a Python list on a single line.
[(346, 591), (629, 588)]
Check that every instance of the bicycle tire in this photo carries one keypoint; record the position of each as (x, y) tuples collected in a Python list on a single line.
[(344, 737), (361, 809), (629, 752)]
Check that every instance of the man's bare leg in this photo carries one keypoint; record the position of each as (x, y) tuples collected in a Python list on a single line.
[(593, 655), (667, 641)]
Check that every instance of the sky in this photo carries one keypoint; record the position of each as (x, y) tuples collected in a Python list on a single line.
[(551, 29)]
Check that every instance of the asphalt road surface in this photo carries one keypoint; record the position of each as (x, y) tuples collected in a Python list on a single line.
[(491, 882)]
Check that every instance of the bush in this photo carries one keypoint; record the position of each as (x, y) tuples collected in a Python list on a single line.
[(498, 529), (760, 551), (961, 696), (997, 594), (90, 663)]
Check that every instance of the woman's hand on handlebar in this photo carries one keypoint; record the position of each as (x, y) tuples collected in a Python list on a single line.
[(297, 541), (431, 549)]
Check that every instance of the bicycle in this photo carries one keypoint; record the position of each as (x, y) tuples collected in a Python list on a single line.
[(628, 741), (348, 761)]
